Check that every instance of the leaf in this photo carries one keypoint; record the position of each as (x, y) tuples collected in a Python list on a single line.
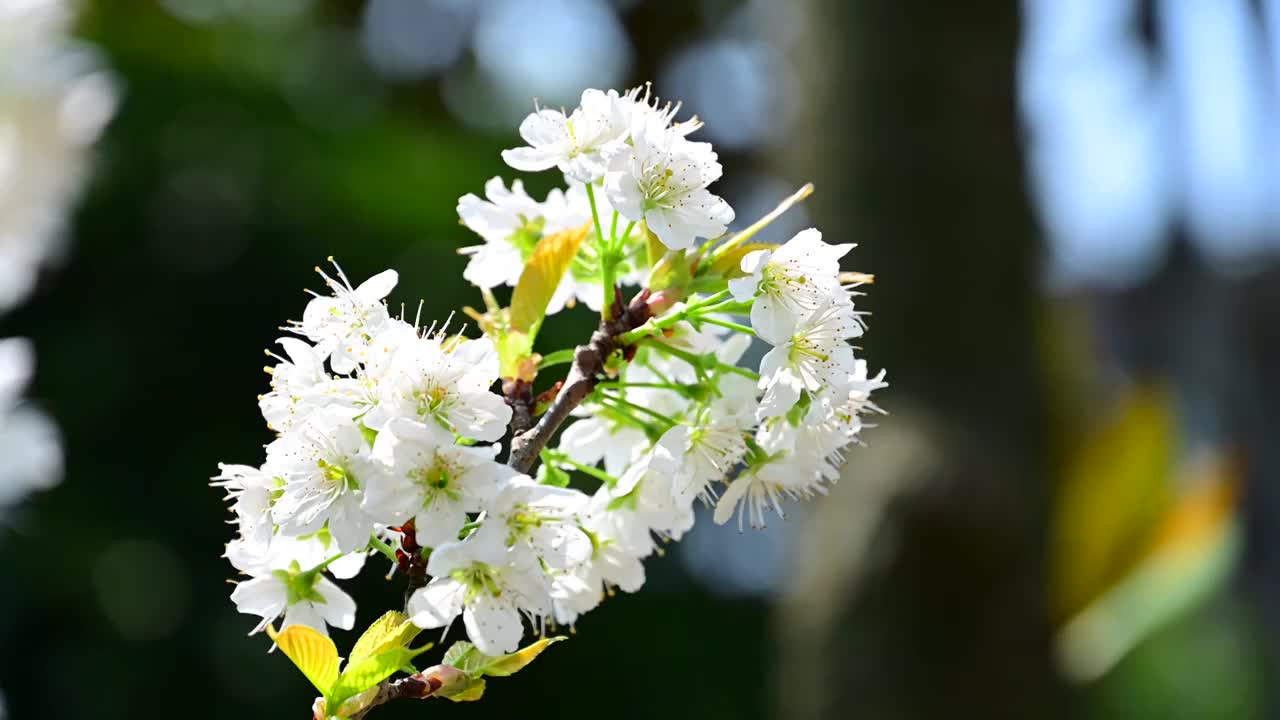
[(1114, 492), (392, 628), (654, 249), (505, 665), (671, 271), (542, 273), (314, 654), (1191, 557), (372, 670), (515, 355), (473, 691), (458, 656), (465, 657), (730, 263)]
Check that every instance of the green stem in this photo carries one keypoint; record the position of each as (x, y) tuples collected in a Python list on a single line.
[(628, 405), (626, 234), (697, 361), (738, 327), (726, 367), (677, 387), (561, 459), (605, 250), (383, 547), (693, 310), (559, 357)]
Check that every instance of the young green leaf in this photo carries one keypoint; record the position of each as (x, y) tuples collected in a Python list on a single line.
[(515, 355), (314, 654), (465, 657), (392, 629), (671, 271), (542, 273), (371, 670), (472, 692), (505, 665)]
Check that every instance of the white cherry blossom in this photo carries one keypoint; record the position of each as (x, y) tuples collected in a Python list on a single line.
[(342, 324), (447, 381), (304, 598), (661, 179), (814, 358), (488, 585), (508, 221), (791, 282), (323, 464), (579, 143), (424, 476), (543, 520)]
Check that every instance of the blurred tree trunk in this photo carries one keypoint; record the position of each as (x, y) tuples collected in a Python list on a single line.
[(909, 133)]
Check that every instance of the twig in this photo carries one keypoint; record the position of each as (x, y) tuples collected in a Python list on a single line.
[(527, 441), (588, 366), (519, 395)]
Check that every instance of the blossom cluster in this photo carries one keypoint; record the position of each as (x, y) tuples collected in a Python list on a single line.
[(54, 101), (389, 434)]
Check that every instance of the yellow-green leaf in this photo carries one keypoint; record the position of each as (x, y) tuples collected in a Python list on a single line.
[(515, 356), (1116, 488), (465, 657), (472, 692), (542, 273), (654, 249), (671, 271), (393, 628), (729, 264), (1192, 556), (371, 670), (314, 654), (505, 665)]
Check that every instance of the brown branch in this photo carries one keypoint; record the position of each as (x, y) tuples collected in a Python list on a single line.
[(519, 395), (528, 439), (584, 374)]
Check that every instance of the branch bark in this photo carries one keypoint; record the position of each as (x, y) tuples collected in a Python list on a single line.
[(528, 440), (584, 374)]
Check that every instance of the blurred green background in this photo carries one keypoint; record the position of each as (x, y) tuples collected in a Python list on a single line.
[(1068, 511)]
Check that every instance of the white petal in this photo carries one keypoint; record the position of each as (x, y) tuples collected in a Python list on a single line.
[(493, 625), (305, 614), (264, 596), (378, 286), (530, 159), (729, 500), (439, 523), (771, 321), (437, 604), (744, 288), (338, 608)]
